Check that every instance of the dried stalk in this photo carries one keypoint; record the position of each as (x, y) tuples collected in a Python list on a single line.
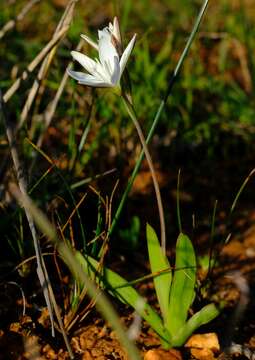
[(30, 68), (70, 258), (64, 21), (12, 23), (41, 268), (50, 111)]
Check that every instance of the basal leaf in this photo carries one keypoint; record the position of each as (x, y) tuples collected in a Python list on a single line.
[(202, 317), (182, 290), (119, 288), (158, 263)]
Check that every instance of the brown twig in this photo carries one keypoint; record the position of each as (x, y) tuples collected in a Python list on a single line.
[(12, 23), (65, 21), (34, 63), (50, 110), (41, 268)]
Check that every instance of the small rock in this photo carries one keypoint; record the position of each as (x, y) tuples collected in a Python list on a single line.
[(15, 327), (160, 354), (204, 341), (202, 354), (203, 346)]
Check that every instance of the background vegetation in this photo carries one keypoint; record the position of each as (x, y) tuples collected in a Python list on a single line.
[(207, 127)]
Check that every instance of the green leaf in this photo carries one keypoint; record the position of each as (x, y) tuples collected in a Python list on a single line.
[(202, 317), (182, 289), (158, 263), (120, 288)]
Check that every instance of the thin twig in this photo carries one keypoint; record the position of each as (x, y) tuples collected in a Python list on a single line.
[(41, 268), (12, 23), (23, 188), (49, 113), (64, 21), (22, 294), (103, 304), (34, 63)]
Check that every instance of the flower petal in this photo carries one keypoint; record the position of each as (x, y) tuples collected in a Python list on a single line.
[(115, 77), (86, 79), (93, 67), (107, 51), (126, 54), (89, 64), (89, 41)]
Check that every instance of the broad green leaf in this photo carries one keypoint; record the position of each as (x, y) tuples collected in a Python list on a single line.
[(182, 289), (202, 317), (158, 263), (119, 288)]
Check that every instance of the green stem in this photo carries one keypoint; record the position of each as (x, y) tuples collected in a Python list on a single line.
[(178, 202), (135, 171), (158, 114), (132, 114)]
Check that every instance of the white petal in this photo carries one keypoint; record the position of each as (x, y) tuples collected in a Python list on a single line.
[(102, 72), (110, 27), (93, 67), (115, 77), (77, 75), (103, 32), (95, 83), (89, 64), (126, 54), (107, 51), (86, 79), (89, 41)]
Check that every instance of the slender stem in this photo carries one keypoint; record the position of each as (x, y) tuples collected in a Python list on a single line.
[(132, 114), (135, 171), (211, 252), (158, 114), (186, 49), (178, 202)]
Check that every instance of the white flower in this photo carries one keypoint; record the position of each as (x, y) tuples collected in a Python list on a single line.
[(107, 71)]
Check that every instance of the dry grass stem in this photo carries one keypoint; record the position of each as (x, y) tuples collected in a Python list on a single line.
[(65, 21), (12, 23), (41, 268), (31, 67), (102, 302), (51, 108)]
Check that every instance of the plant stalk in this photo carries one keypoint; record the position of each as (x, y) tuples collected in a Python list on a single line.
[(158, 113), (131, 111)]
